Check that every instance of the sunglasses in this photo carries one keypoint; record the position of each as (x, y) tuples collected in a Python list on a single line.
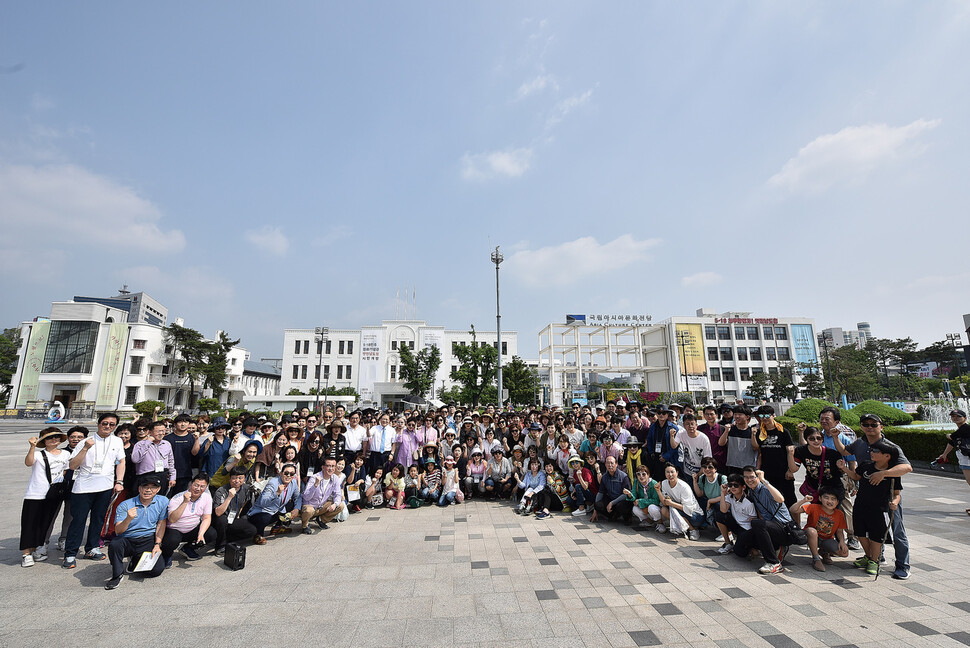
[(814, 438), (870, 425), (735, 485), (289, 474)]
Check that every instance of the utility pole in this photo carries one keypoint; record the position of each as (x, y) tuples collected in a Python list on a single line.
[(320, 336), (497, 258)]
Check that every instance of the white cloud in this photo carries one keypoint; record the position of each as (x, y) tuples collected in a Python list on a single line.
[(270, 239), (335, 234), (539, 83), (572, 262), (848, 156), (510, 163), (566, 106), (701, 280), (66, 204)]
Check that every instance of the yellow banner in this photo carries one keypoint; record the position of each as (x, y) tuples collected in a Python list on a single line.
[(111, 370), (34, 363), (690, 348)]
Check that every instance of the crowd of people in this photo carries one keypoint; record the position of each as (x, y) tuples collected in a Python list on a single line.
[(146, 490)]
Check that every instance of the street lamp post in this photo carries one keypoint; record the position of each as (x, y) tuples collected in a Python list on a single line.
[(497, 258), (321, 333), (683, 339)]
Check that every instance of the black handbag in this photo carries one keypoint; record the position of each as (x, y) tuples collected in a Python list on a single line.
[(55, 492)]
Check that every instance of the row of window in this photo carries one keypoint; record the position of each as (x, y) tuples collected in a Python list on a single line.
[(344, 347), (748, 353), (746, 332), (344, 372), (727, 373)]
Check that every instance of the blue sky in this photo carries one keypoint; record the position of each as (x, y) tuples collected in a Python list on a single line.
[(259, 167)]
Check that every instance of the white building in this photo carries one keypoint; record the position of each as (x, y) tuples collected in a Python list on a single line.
[(720, 353), (368, 359), (88, 354), (835, 337)]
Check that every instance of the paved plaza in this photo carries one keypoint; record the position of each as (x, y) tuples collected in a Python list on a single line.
[(478, 575)]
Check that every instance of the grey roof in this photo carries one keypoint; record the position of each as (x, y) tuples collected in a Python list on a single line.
[(251, 366)]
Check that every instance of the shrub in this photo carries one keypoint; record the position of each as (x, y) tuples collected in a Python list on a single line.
[(917, 443), (889, 414), (808, 410), (147, 408)]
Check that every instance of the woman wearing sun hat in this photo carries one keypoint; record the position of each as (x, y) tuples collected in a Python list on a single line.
[(46, 477)]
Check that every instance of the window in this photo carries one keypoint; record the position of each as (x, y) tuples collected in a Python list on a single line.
[(738, 332), (454, 347), (340, 372), (131, 395), (770, 353), (712, 353), (303, 372), (755, 353), (715, 374), (394, 345), (726, 353), (135, 368), (454, 368), (753, 333), (757, 370), (319, 347), (316, 372), (393, 372), (168, 349), (296, 347), (348, 372), (717, 392), (328, 348), (70, 347), (784, 353), (162, 393), (138, 344), (306, 347), (296, 372), (710, 333), (326, 372), (742, 353), (781, 333), (772, 371), (723, 332), (745, 373), (768, 333), (411, 345), (178, 398), (340, 348), (505, 348), (350, 346), (728, 374)]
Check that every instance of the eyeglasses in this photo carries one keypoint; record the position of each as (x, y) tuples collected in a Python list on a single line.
[(870, 425), (288, 474)]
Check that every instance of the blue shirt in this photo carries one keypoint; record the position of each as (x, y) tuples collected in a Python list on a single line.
[(767, 507), (271, 502), (847, 441), (215, 455), (147, 519)]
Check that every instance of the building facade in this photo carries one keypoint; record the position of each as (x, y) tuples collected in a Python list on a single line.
[(369, 360), (835, 337), (89, 356)]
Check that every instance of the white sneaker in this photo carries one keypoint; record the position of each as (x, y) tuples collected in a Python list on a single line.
[(27, 560), (39, 557), (661, 528), (771, 568), (694, 534), (719, 538), (579, 512), (726, 549)]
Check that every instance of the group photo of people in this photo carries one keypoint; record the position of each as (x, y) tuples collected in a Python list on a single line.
[(139, 495)]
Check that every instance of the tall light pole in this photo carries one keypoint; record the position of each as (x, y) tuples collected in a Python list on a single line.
[(497, 258), (321, 333)]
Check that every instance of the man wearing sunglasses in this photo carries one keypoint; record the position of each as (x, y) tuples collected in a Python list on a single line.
[(276, 503), (858, 451)]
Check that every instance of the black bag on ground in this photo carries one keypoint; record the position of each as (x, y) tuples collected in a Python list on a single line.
[(235, 556)]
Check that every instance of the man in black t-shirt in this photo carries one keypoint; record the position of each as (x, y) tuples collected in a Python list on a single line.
[(959, 441), (876, 504), (184, 447)]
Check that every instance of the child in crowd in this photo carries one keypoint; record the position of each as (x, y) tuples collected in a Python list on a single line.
[(875, 504), (394, 487), (430, 481), (825, 527), (373, 488)]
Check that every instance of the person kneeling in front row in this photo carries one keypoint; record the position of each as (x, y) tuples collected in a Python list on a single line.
[(140, 526), (276, 503), (189, 519), (231, 504), (323, 497)]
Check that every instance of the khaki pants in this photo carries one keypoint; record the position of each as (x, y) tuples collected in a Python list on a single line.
[(307, 513)]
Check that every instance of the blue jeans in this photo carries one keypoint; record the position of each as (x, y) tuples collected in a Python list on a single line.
[(900, 541), (428, 495), (82, 504), (446, 499), (579, 497)]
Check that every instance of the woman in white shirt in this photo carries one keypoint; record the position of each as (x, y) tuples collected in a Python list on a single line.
[(47, 472)]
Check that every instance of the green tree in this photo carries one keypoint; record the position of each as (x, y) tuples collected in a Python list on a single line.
[(854, 373), (450, 395), (207, 404), (147, 408), (215, 370), (760, 384), (418, 370), (295, 392), (521, 381), (9, 355), (476, 369), (201, 361), (783, 382), (813, 386)]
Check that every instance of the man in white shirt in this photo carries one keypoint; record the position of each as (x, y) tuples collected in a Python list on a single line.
[(99, 468), (380, 442), (355, 438)]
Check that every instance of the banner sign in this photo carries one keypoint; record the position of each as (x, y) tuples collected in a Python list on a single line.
[(111, 369), (690, 346), (608, 320), (370, 363), (803, 339), (33, 363)]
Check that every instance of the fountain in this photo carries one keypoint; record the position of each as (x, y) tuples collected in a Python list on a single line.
[(937, 409)]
